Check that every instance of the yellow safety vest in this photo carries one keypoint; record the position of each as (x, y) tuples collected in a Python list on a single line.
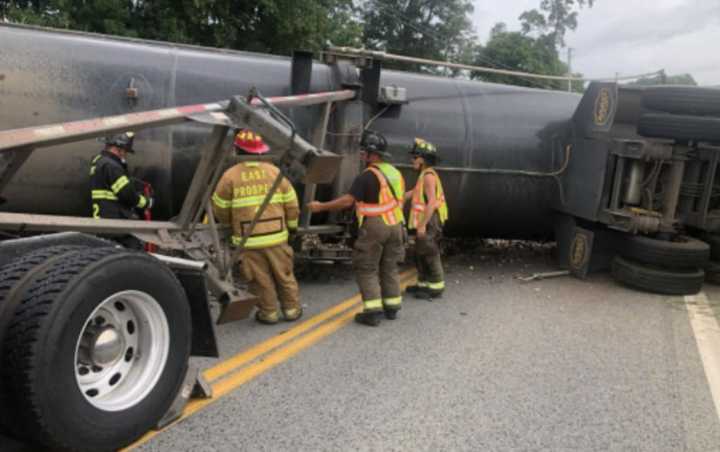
[(418, 199), (389, 206)]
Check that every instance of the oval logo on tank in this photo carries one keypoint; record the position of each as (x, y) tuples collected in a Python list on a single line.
[(602, 107)]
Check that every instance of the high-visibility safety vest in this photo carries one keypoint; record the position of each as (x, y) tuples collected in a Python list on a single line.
[(418, 199), (389, 205), (240, 193)]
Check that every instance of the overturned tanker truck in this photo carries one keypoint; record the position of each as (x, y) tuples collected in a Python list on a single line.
[(623, 179)]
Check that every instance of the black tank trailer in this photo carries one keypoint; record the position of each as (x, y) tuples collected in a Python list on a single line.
[(615, 171), (49, 77)]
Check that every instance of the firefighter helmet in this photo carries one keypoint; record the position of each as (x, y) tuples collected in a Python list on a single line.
[(121, 140), (374, 142), (250, 142), (425, 149)]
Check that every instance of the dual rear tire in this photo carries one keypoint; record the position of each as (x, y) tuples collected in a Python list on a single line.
[(683, 113), (95, 349), (662, 266)]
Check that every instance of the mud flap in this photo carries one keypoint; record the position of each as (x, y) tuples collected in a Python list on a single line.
[(584, 249)]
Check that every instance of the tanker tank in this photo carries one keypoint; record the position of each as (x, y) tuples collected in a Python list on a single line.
[(482, 129)]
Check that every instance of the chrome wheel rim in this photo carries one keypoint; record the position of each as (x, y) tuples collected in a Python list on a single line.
[(122, 351)]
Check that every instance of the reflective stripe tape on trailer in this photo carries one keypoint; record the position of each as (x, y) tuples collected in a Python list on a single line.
[(53, 134)]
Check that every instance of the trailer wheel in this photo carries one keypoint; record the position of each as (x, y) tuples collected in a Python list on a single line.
[(14, 279), (97, 350), (683, 100), (677, 127), (657, 280), (712, 273), (682, 252)]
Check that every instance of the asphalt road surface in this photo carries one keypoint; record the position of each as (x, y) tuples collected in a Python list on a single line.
[(497, 364)]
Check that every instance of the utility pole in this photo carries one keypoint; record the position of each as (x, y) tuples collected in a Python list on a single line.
[(569, 52)]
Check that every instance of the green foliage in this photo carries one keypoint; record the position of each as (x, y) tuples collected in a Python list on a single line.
[(273, 26), (535, 49), (518, 52), (553, 19), (431, 29)]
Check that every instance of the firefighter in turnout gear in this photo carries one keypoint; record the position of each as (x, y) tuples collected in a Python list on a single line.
[(113, 193), (428, 214), (267, 259), (377, 194)]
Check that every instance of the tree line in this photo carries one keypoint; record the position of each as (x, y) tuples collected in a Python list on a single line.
[(433, 29)]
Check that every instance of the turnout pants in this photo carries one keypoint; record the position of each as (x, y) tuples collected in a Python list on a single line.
[(427, 257), (269, 273), (376, 254)]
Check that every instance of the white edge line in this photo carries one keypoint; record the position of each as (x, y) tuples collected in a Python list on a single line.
[(707, 336)]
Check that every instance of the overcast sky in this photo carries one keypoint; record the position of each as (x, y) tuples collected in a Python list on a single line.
[(630, 36)]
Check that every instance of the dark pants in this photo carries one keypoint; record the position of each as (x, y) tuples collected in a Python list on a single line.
[(376, 254), (427, 257)]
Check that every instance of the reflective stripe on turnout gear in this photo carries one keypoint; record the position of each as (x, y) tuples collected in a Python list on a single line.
[(436, 285), (373, 305), (221, 203), (262, 241), (392, 302), (120, 184), (103, 194), (418, 199), (256, 201)]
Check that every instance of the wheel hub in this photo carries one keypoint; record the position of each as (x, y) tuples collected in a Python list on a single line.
[(122, 350), (108, 347)]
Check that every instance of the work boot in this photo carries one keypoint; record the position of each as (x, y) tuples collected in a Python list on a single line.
[(428, 294), (267, 318), (292, 314), (369, 318), (414, 288), (391, 314)]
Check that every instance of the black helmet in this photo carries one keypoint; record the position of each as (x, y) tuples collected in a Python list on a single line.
[(374, 142), (121, 140), (425, 149)]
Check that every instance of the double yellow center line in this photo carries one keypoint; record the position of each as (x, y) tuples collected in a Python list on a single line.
[(232, 373)]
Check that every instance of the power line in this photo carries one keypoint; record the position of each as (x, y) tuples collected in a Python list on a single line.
[(390, 56)]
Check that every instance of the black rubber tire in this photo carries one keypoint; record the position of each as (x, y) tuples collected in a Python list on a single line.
[(683, 100), (39, 374), (684, 252), (657, 280), (712, 273), (677, 127), (14, 279)]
